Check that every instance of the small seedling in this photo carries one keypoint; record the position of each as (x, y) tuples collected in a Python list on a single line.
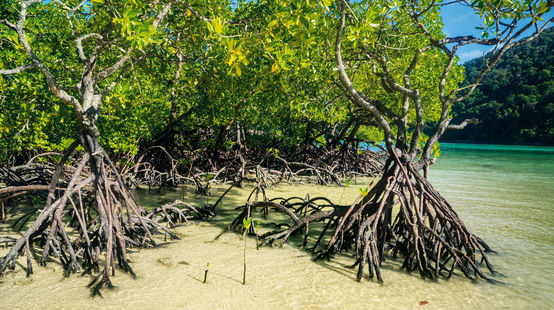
[(246, 224), (206, 272)]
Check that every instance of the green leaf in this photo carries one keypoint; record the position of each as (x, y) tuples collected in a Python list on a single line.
[(131, 12), (246, 223), (218, 26)]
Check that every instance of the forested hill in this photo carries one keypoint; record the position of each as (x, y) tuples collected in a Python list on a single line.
[(515, 103)]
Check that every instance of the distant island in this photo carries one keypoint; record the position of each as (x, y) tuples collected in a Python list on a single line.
[(515, 102)]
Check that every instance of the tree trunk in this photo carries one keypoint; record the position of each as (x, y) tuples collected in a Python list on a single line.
[(116, 221)]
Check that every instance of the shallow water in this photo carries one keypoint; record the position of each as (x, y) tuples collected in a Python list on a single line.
[(503, 194)]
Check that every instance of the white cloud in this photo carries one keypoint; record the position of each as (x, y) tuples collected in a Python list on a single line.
[(465, 56)]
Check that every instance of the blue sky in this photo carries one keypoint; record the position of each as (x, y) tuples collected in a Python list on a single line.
[(459, 20)]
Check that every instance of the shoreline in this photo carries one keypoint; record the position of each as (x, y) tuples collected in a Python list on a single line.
[(494, 143)]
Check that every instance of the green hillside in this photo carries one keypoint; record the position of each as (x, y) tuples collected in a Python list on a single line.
[(515, 103)]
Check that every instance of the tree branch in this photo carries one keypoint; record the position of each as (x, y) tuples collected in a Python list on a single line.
[(507, 37), (72, 10), (358, 98), (16, 70), (7, 23), (126, 56), (463, 124), (115, 67), (52, 83), (509, 44), (193, 11), (390, 79), (79, 42), (162, 15)]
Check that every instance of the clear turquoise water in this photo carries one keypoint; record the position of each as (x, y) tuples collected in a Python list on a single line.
[(505, 194)]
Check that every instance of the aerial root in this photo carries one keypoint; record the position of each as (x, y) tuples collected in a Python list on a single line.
[(237, 165), (426, 232), (91, 212)]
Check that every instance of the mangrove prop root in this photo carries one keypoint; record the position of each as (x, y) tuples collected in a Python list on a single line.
[(157, 166), (88, 211), (426, 232)]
